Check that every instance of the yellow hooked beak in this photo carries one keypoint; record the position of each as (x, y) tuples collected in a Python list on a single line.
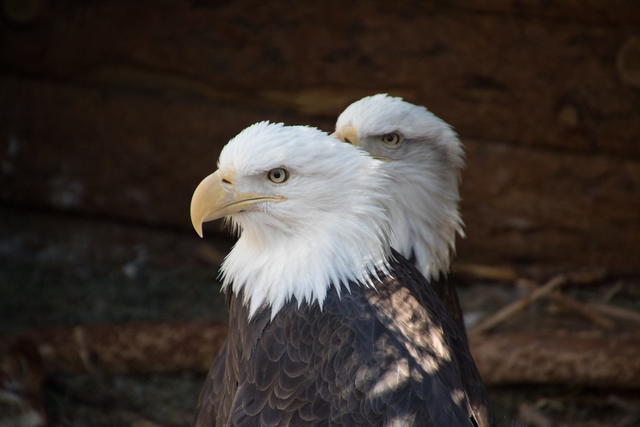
[(216, 197), (349, 135)]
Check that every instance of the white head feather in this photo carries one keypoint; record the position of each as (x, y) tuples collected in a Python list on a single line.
[(333, 228), (425, 172)]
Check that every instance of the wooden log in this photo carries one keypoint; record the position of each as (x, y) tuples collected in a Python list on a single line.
[(612, 361), (529, 205), (548, 74), (484, 272), (138, 347), (139, 158), (112, 154), (595, 361), (613, 11)]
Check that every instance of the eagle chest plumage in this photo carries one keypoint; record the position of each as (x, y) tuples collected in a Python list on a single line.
[(370, 357)]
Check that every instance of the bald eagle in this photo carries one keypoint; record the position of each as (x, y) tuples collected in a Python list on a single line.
[(424, 158), (328, 325)]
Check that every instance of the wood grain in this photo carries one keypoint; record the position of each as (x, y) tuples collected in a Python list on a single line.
[(527, 73), (588, 360), (118, 109)]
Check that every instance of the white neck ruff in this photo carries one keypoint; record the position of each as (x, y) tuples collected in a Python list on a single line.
[(306, 262), (339, 235), (425, 229)]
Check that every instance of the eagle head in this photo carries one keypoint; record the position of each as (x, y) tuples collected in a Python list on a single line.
[(309, 210), (424, 158)]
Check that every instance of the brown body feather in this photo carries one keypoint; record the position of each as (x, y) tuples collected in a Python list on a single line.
[(371, 357), (446, 290)]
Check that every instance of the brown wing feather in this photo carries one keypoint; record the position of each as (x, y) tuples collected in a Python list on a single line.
[(446, 292), (373, 357), (445, 289)]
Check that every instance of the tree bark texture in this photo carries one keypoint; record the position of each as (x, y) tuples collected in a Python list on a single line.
[(118, 109), (595, 361)]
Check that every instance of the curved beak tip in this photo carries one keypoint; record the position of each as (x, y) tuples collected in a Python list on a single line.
[(201, 203), (198, 229), (196, 222)]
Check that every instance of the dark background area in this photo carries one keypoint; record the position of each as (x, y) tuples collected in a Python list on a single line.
[(111, 112)]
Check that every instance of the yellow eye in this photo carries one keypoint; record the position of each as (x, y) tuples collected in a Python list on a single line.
[(278, 175), (391, 139)]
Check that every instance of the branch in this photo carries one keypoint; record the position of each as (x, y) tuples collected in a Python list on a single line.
[(581, 308), (516, 306), (571, 304), (614, 311)]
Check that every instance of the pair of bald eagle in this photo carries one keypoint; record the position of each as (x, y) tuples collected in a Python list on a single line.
[(335, 286)]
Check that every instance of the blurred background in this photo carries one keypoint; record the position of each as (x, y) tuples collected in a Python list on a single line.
[(111, 112)]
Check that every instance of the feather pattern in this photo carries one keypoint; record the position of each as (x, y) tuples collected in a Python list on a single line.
[(376, 356), (328, 325), (325, 233), (425, 170)]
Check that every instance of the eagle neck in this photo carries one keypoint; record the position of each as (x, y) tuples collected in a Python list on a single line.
[(424, 229), (271, 266)]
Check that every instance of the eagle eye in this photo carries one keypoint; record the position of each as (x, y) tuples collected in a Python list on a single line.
[(278, 175), (391, 139)]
